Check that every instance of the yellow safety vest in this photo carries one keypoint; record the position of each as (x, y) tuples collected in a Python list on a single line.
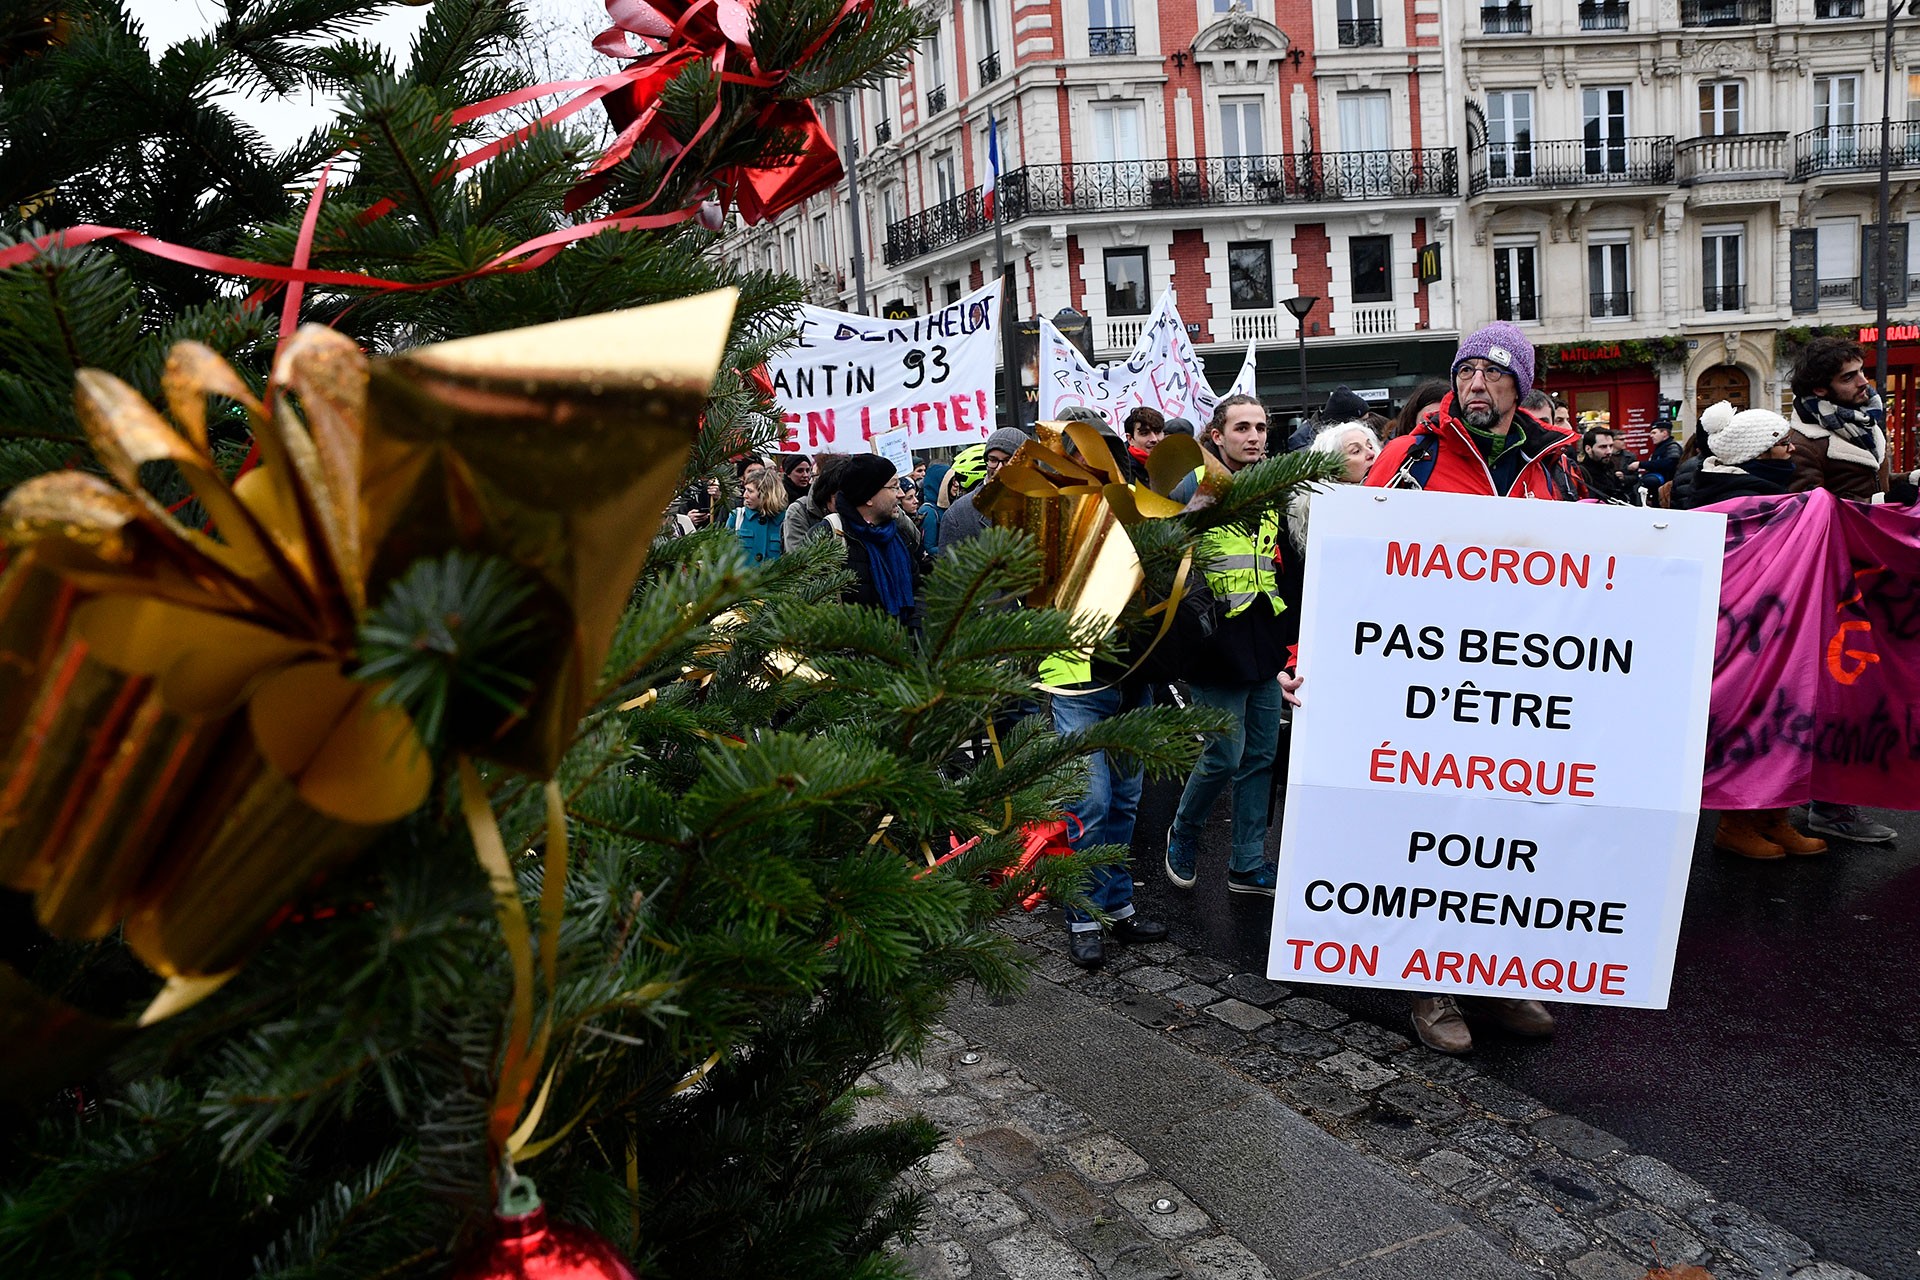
[(1242, 568), (1069, 666)]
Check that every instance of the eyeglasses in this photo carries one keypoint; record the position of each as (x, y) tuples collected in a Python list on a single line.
[(1491, 372)]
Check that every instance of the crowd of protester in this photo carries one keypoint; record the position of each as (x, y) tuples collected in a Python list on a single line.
[(1485, 430)]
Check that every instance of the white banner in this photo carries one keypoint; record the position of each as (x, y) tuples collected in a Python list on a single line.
[(1163, 373), (848, 378), (1495, 781), (1243, 382)]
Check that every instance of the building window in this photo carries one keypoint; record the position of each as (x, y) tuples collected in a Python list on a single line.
[(1242, 137), (946, 183), (1370, 262), (890, 205), (1366, 121), (1720, 107), (1722, 274), (1126, 282), (1913, 95), (1836, 259), (1604, 113), (1358, 23), (933, 63), (1609, 287), (953, 292), (1516, 286), (1117, 132), (1250, 275), (1510, 134), (820, 254), (1110, 28)]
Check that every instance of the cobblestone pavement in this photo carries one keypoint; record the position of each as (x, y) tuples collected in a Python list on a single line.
[(1030, 1186)]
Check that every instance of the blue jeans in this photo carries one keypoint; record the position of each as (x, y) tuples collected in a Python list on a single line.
[(1242, 756), (1105, 814)]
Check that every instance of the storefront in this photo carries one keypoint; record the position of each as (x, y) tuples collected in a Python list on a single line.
[(1382, 374), (1614, 378), (1901, 395)]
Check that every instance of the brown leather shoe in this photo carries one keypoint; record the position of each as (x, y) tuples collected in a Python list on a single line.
[(1739, 834), (1773, 825), (1437, 1021), (1521, 1017)]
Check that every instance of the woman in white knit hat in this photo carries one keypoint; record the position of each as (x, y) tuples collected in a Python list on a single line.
[(1749, 455)]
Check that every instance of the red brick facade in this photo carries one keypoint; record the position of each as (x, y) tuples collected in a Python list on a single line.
[(1311, 274), (1190, 281)]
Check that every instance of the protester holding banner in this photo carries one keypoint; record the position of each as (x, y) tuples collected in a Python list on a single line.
[(1839, 445), (1840, 441), (1239, 669), (1478, 439), (758, 521), (962, 520)]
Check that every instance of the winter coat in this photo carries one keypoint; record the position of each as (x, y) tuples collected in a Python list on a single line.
[(762, 537), (961, 522), (1663, 461), (1821, 460), (1718, 481), (1535, 466)]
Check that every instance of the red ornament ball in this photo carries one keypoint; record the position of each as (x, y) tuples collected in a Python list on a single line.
[(522, 1245)]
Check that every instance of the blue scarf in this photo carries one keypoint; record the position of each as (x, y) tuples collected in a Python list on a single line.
[(887, 557)]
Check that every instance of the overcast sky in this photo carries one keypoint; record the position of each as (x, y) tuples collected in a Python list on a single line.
[(286, 120)]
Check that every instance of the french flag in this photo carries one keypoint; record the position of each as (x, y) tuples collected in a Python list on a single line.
[(993, 166)]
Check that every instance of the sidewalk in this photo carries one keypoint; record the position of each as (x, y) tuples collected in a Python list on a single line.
[(1161, 1118)]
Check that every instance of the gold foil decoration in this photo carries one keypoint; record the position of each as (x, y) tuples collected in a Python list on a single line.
[(1076, 508), (183, 747)]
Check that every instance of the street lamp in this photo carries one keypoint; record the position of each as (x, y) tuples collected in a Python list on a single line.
[(1299, 307)]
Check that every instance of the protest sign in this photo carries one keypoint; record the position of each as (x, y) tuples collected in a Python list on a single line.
[(847, 378), (1244, 381), (1817, 670), (1163, 373), (895, 447), (1495, 781)]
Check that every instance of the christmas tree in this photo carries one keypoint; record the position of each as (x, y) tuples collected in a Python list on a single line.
[(655, 988)]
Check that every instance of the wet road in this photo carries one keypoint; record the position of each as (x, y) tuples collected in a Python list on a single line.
[(1785, 1075)]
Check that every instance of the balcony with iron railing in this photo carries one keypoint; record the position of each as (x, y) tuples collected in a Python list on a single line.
[(1725, 13), (1825, 9), (936, 99), (1723, 297), (1572, 162), (1359, 33), (1220, 181), (1616, 304), (990, 68), (1730, 157), (883, 133), (1521, 308), (1110, 42), (1506, 19), (1854, 148), (1603, 15)]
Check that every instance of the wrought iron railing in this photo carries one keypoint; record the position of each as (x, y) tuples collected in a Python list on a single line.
[(1616, 304), (1357, 33), (1603, 15), (1517, 308), (1725, 13), (1844, 291), (936, 99), (1120, 185), (1724, 297), (1110, 42), (990, 68), (1574, 162), (1854, 148), (1506, 19), (1839, 8), (1730, 157), (883, 133)]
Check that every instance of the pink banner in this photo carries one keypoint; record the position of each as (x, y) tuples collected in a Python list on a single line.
[(1816, 670)]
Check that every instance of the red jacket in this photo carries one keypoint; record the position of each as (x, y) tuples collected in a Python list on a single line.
[(1458, 467)]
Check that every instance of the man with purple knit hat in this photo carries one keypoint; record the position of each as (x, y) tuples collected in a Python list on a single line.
[(1478, 439)]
